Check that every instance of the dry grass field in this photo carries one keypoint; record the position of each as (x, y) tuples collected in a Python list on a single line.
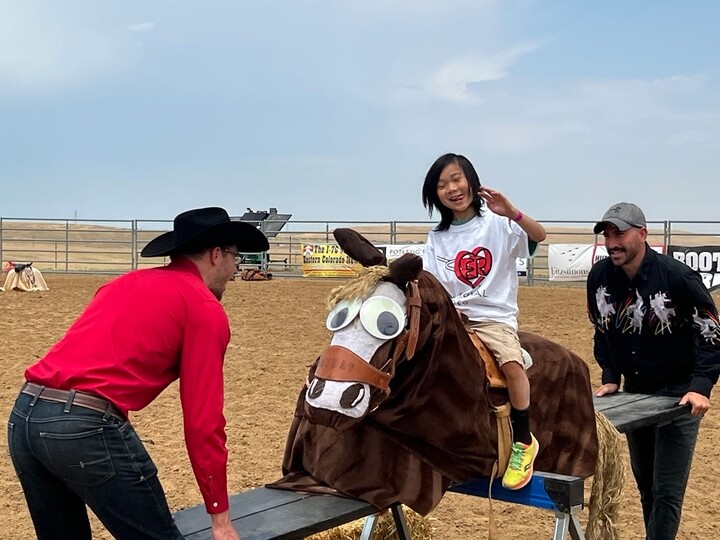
[(278, 330)]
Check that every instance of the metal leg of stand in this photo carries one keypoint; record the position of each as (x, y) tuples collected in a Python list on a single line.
[(576, 531), (562, 525), (368, 529), (568, 523), (403, 533), (400, 522)]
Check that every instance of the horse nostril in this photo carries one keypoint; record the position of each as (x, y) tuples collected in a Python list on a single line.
[(316, 388), (352, 396)]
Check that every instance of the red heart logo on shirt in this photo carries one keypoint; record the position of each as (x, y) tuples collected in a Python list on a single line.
[(473, 267)]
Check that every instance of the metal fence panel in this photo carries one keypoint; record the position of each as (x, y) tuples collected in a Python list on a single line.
[(113, 246)]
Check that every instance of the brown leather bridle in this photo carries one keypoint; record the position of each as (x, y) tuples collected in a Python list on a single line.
[(337, 363)]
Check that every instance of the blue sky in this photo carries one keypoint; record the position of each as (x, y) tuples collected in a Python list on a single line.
[(334, 109)]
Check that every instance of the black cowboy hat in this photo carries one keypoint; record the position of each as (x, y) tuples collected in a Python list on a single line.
[(206, 227)]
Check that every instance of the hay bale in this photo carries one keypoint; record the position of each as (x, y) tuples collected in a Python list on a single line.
[(418, 525), (608, 482)]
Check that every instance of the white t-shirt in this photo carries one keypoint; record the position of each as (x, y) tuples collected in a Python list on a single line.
[(475, 262)]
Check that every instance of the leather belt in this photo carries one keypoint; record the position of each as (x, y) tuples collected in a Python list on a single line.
[(72, 397)]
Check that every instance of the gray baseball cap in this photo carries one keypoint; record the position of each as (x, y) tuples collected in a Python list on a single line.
[(623, 215)]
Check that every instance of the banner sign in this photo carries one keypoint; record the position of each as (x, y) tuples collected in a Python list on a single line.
[(702, 259), (572, 262), (395, 251), (327, 260), (521, 266), (601, 252)]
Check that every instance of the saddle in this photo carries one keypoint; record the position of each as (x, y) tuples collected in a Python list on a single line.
[(499, 400), (495, 377), (499, 397)]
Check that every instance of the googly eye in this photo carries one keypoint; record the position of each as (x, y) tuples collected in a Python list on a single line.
[(382, 317), (342, 314)]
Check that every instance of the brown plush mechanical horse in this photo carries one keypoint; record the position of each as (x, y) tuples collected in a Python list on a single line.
[(397, 407)]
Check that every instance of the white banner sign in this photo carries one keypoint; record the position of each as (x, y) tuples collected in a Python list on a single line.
[(572, 262), (395, 251), (521, 266)]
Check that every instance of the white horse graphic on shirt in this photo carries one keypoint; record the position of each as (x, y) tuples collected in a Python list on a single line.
[(708, 328), (658, 304), (605, 308), (636, 313)]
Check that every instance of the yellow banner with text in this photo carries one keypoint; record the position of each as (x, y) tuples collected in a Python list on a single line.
[(327, 260)]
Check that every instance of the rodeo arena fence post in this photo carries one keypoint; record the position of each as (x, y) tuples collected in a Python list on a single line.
[(306, 248)]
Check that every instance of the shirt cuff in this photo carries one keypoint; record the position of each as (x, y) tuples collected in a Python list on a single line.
[(701, 385), (215, 494), (215, 505), (610, 376)]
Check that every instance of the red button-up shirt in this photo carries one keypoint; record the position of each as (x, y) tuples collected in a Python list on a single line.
[(141, 332)]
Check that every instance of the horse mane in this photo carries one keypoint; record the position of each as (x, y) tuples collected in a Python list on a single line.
[(358, 287)]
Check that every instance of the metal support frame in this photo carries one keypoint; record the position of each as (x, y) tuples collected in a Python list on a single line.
[(558, 493), (568, 523), (401, 527)]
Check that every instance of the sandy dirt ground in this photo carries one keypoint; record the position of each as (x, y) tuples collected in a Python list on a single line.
[(278, 330)]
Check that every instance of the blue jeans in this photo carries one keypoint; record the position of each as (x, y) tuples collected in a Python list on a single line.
[(660, 457), (66, 460)]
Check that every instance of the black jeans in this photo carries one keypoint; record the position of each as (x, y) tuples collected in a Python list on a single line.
[(65, 460), (661, 457)]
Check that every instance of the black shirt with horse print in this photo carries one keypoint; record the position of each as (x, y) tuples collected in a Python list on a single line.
[(659, 329)]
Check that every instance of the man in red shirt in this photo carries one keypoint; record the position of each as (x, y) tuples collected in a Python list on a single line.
[(69, 438)]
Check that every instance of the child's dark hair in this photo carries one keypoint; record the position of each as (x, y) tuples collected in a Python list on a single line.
[(430, 198)]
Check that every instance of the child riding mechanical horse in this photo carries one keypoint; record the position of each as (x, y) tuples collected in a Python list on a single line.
[(472, 252), (397, 408)]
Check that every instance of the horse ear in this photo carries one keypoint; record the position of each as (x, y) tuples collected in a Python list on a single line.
[(359, 247), (404, 269)]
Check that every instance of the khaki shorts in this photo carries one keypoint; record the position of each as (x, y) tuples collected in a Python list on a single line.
[(500, 338)]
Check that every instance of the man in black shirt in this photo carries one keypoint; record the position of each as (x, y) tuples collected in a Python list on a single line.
[(656, 326)]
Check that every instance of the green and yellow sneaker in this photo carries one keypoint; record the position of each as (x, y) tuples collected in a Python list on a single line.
[(520, 468)]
